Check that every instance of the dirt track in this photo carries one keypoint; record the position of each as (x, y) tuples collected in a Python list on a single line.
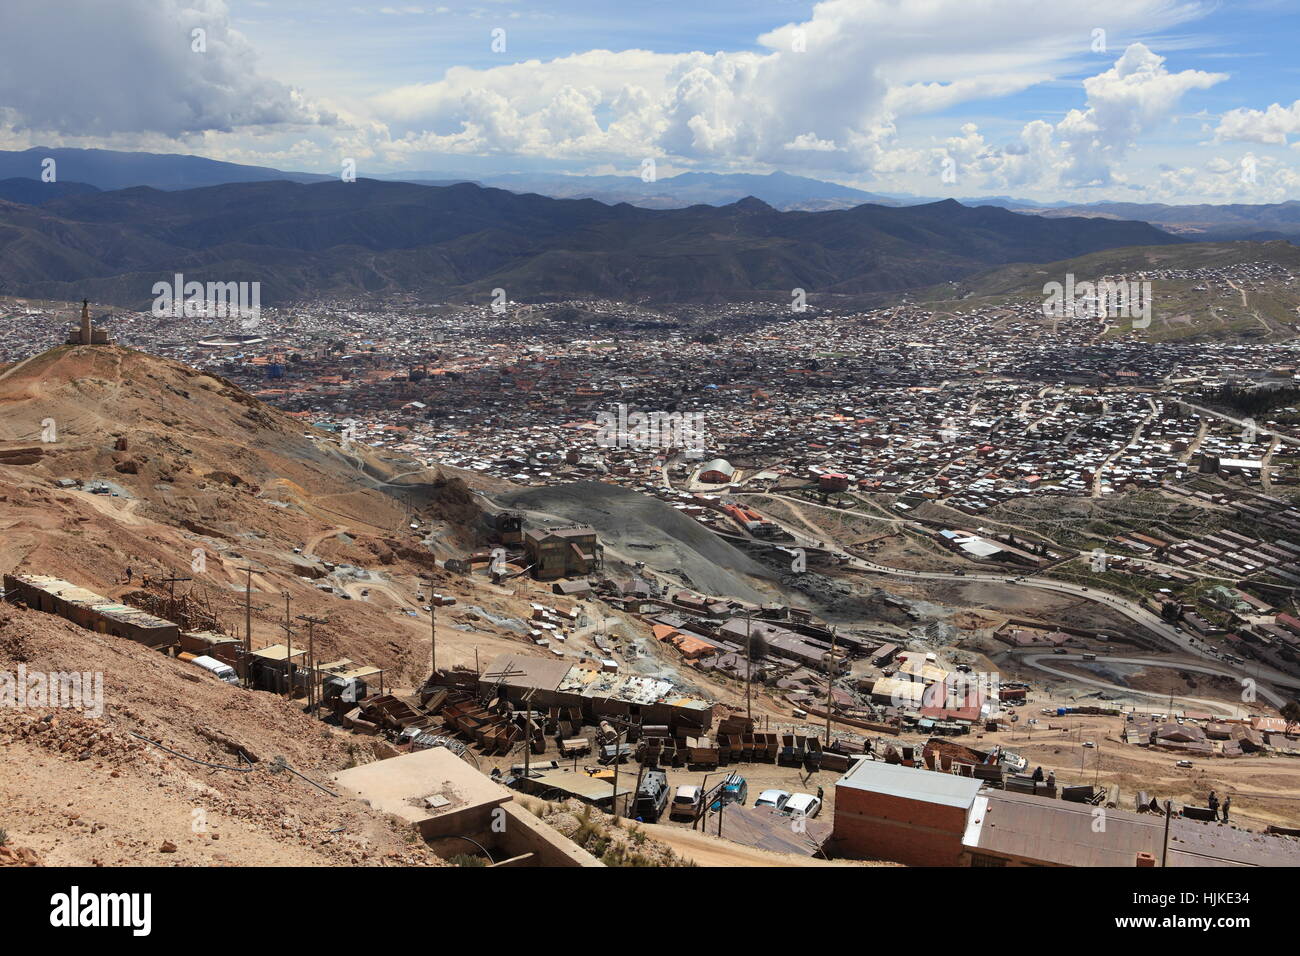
[(708, 850)]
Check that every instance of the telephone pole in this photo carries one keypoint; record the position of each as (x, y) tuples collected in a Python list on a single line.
[(288, 634), (1164, 852), (749, 663), (618, 753), (248, 624), (433, 626), (830, 687), (311, 658)]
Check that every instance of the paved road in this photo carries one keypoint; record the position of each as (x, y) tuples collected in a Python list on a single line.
[(1043, 662)]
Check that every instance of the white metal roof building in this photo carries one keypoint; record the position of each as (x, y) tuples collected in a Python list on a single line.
[(912, 783)]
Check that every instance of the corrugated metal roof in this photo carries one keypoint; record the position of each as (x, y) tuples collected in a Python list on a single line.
[(579, 784), (1055, 831), (520, 670)]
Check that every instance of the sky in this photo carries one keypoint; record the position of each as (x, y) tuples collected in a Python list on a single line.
[(1080, 100)]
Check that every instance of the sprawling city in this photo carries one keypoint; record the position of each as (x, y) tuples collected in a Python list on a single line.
[(803, 494)]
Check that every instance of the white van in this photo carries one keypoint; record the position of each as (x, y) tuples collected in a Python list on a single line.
[(214, 666)]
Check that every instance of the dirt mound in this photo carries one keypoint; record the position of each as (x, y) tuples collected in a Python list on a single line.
[(168, 760)]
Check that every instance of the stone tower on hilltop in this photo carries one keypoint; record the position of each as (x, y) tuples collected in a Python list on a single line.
[(87, 334)]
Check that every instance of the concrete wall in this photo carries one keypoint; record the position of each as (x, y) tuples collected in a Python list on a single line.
[(506, 830)]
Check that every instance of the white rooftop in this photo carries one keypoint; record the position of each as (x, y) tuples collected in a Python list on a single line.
[(927, 786)]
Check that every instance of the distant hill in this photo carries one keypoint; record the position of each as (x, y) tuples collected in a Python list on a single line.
[(370, 237), (1205, 291), (779, 190), (33, 192), (1205, 221), (1028, 278), (112, 169)]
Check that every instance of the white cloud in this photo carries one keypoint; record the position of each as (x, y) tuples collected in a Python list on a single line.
[(841, 93), (832, 88), (1271, 126), (1085, 149), (74, 68), (1240, 179), (916, 98), (1130, 99)]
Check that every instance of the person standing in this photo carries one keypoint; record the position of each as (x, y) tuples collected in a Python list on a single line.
[(1214, 804), (1227, 804)]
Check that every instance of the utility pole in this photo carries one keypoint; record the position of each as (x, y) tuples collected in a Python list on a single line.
[(248, 624), (433, 627), (617, 754), (1169, 812), (636, 791), (830, 687), (288, 634), (311, 657), (528, 733), (433, 636), (749, 663)]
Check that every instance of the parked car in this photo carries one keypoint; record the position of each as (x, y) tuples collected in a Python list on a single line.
[(735, 789), (686, 803), (776, 799), (214, 666), (802, 805), (1185, 764)]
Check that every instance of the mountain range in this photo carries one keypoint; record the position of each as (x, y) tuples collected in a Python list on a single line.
[(84, 170), (1233, 221), (778, 189), (336, 238)]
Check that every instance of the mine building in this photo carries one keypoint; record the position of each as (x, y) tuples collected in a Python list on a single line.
[(562, 552), (40, 592)]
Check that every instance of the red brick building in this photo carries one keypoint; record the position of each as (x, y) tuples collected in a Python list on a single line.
[(909, 815)]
